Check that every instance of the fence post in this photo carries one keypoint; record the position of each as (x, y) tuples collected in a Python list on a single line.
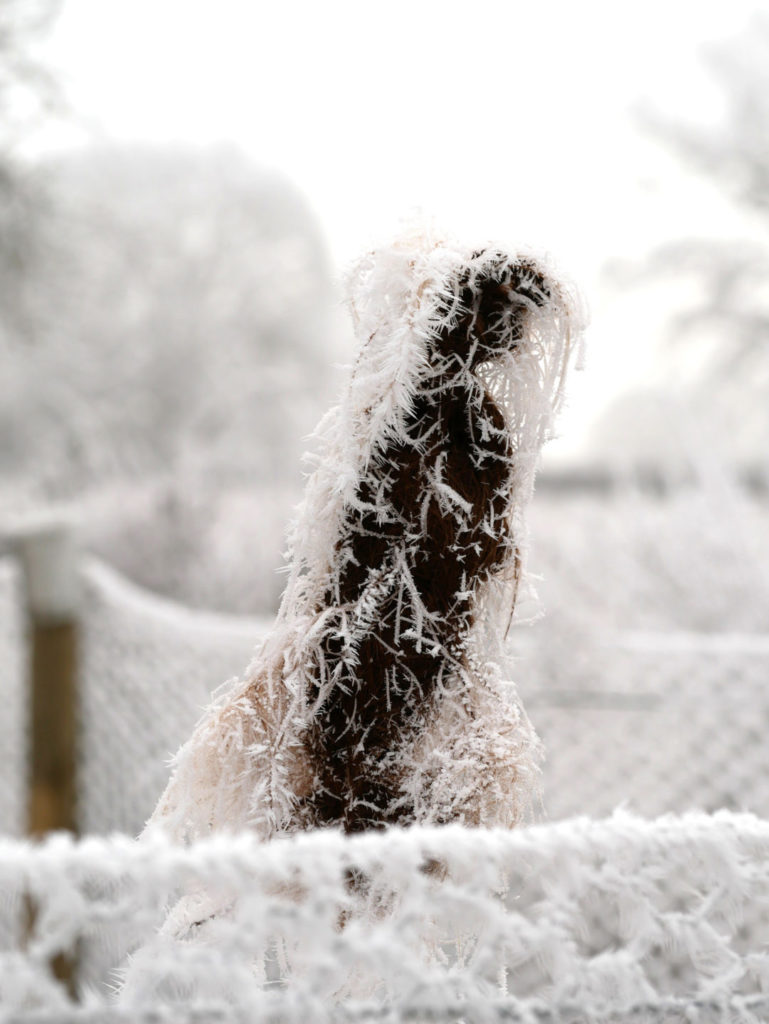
[(49, 560), (48, 555)]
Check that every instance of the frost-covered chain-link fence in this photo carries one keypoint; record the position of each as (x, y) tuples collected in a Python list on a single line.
[(658, 722), (661, 722), (580, 921), (149, 667), (146, 669)]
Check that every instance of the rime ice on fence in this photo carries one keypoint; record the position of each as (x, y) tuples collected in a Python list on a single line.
[(381, 697), (602, 709), (148, 668), (602, 705), (619, 920)]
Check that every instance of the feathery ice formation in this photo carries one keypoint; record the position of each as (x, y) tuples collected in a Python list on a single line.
[(379, 697)]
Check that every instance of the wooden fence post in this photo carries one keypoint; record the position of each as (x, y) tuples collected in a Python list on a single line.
[(49, 560)]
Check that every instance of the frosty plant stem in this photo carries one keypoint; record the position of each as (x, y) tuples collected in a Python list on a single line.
[(381, 696)]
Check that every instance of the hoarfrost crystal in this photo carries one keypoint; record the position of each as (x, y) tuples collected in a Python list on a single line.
[(380, 696)]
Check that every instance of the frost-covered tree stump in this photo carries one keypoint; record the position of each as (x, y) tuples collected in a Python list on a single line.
[(381, 695)]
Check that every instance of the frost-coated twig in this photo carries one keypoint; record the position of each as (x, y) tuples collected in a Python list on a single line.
[(380, 697)]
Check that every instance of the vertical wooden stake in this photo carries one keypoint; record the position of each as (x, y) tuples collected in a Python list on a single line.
[(49, 560), (53, 718)]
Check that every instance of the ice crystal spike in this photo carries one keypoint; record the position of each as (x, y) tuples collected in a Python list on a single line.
[(380, 697)]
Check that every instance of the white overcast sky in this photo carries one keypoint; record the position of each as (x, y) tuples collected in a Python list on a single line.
[(503, 119)]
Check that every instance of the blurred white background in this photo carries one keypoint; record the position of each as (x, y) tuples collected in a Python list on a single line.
[(184, 184), (502, 119)]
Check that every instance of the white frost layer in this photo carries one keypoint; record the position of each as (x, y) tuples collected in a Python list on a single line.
[(621, 919), (243, 766)]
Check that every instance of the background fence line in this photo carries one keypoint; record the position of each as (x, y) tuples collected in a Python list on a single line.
[(663, 722)]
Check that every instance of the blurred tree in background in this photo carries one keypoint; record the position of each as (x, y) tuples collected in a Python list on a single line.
[(165, 336), (720, 344), (165, 355), (29, 92), (29, 99), (178, 324), (693, 554), (735, 151)]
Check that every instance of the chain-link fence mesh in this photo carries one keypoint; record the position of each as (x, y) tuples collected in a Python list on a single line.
[(658, 721), (148, 669), (581, 921)]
